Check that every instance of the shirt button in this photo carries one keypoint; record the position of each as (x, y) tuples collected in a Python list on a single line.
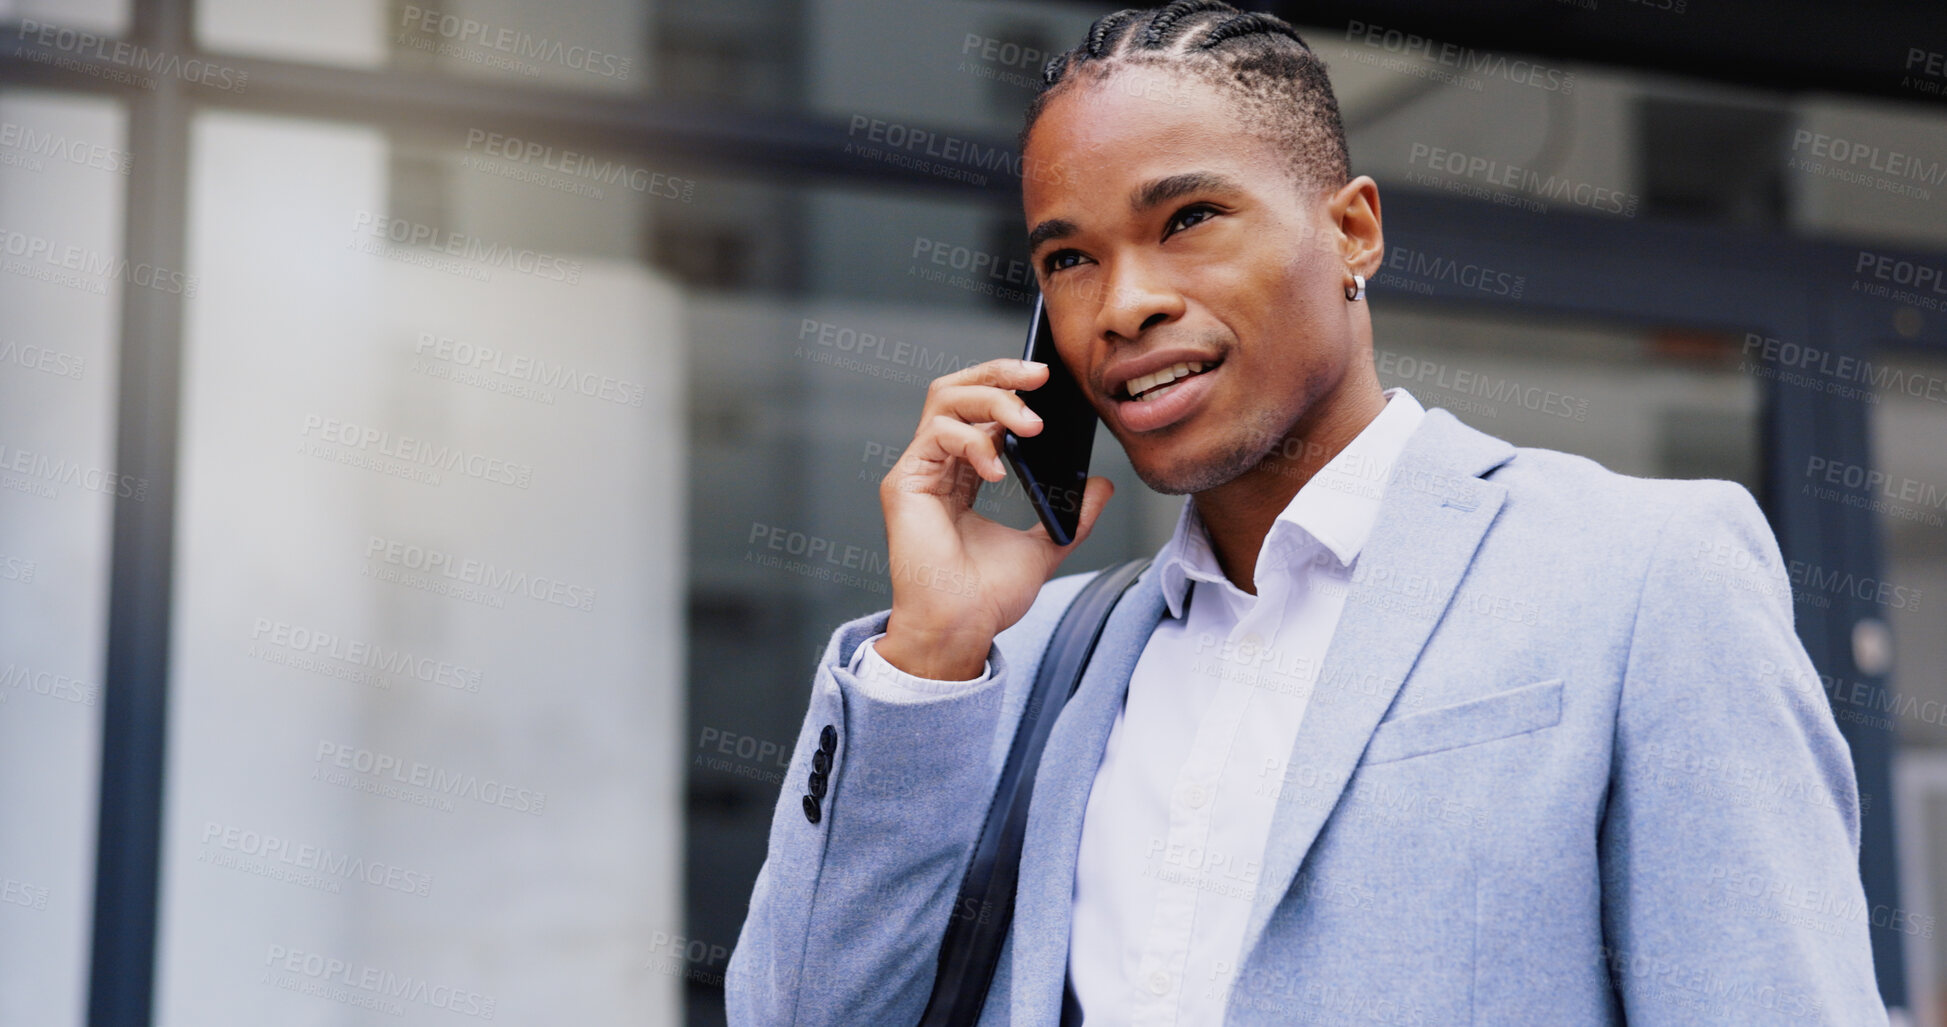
[(1159, 983), (1254, 640), (1195, 796)]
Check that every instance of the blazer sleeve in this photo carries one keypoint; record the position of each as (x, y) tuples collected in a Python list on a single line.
[(851, 903), (1729, 842)]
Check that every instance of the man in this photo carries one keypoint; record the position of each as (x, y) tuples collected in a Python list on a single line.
[(1404, 725)]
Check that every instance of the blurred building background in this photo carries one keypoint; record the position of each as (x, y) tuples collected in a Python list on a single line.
[(417, 421)]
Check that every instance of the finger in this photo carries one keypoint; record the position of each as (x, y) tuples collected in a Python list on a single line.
[(943, 439), (975, 404), (1095, 495), (999, 374)]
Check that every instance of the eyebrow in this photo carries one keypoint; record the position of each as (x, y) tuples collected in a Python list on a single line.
[(1163, 190), (1147, 196), (1053, 228)]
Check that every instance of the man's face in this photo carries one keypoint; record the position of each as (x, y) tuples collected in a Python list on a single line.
[(1165, 235)]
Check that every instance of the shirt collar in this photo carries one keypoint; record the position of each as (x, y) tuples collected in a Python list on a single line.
[(1336, 508)]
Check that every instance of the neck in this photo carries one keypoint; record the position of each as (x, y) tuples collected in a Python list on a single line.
[(1239, 513)]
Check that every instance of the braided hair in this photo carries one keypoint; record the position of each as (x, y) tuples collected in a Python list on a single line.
[(1278, 83)]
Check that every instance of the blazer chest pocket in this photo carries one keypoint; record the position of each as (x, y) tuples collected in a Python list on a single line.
[(1501, 715)]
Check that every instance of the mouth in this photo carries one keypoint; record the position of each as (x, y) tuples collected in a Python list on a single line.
[(1165, 396), (1151, 387)]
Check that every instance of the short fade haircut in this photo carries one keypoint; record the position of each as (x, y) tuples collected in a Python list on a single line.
[(1259, 60)]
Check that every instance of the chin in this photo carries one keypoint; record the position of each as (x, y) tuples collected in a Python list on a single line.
[(1185, 476)]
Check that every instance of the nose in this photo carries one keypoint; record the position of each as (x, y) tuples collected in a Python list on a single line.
[(1137, 296)]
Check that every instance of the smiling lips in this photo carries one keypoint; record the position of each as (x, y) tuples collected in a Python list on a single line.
[(1150, 386), (1162, 398)]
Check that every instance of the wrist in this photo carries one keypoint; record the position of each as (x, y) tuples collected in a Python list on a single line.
[(934, 655)]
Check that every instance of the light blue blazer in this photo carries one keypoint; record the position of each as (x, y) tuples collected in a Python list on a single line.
[(1566, 764)]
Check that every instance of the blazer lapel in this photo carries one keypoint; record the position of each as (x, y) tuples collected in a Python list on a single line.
[(1043, 902), (1432, 518)]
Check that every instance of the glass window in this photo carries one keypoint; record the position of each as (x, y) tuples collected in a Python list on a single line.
[(63, 173), (429, 620)]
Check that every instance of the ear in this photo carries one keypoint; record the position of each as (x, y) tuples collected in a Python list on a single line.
[(1355, 209)]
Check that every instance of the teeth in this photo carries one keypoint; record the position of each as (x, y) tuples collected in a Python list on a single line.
[(1138, 386)]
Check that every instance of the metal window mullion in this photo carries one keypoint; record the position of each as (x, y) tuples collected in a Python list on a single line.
[(135, 698)]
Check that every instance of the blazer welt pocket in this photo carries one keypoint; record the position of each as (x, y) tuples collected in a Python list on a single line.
[(1503, 714)]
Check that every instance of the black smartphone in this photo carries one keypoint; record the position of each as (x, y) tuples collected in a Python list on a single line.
[(1053, 466)]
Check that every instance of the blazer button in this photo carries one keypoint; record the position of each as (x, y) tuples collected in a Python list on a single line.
[(821, 761), (817, 783), (811, 810), (828, 739)]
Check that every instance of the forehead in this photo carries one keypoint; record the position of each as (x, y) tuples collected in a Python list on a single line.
[(1098, 137)]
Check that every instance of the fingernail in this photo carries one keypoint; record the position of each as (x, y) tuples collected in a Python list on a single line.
[(1032, 416), (1029, 365)]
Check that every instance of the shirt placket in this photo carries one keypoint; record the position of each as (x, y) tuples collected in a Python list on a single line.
[(1193, 797)]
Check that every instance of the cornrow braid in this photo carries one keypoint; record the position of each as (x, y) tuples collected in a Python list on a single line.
[(1248, 25), (1279, 83), (1167, 24), (1106, 32)]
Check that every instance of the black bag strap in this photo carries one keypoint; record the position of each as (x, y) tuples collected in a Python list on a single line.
[(984, 910)]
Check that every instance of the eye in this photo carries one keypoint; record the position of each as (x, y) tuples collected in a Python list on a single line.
[(1061, 259), (1194, 214)]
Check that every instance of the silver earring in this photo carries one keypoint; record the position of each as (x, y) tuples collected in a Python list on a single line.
[(1357, 290)]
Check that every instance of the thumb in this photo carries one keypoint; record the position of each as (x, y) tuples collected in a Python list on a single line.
[(1095, 495)]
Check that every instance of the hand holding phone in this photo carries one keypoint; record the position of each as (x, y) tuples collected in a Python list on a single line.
[(959, 578), (1053, 464)]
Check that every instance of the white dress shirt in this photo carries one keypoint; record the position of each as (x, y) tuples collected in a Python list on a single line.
[(1174, 832)]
